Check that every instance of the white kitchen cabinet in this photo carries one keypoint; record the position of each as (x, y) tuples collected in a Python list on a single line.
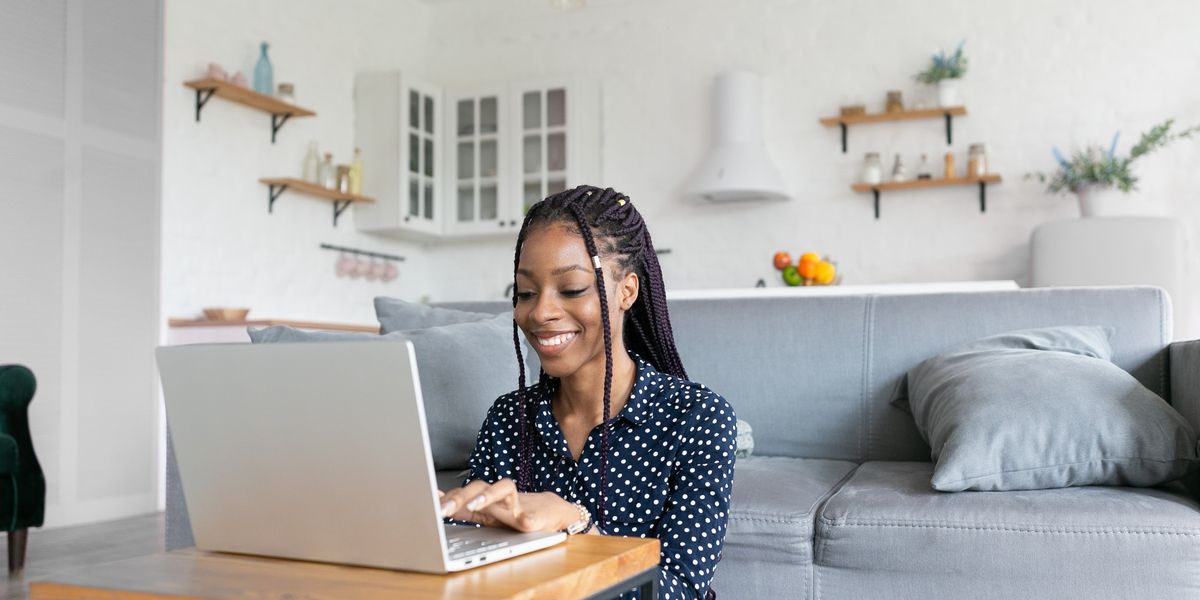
[(477, 162), (398, 125), (557, 138), (504, 146)]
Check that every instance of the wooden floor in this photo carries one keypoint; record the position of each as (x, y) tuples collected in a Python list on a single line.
[(65, 548)]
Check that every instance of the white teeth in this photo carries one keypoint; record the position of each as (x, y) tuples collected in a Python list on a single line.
[(557, 340)]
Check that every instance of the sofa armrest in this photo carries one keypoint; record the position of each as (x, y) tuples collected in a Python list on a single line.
[(17, 386), (1184, 361)]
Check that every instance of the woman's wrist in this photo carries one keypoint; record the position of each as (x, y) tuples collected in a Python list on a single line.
[(572, 513)]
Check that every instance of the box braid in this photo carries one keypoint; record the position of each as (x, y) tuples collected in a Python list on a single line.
[(610, 227)]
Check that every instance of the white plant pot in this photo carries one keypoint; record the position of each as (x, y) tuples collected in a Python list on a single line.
[(1107, 201), (947, 91)]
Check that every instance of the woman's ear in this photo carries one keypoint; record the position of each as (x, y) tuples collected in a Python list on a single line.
[(628, 291)]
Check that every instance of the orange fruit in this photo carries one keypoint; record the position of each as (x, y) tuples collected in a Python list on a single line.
[(782, 260), (809, 257), (825, 273), (807, 269)]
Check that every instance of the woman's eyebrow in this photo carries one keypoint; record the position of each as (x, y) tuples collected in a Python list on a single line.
[(556, 272)]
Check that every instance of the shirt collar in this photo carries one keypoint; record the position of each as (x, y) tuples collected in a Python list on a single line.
[(647, 381)]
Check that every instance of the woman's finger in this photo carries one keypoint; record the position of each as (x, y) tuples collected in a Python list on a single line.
[(502, 491), (456, 499)]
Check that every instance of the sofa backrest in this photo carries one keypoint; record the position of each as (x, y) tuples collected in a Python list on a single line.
[(814, 375)]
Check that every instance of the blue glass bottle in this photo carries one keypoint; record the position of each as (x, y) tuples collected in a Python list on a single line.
[(264, 75)]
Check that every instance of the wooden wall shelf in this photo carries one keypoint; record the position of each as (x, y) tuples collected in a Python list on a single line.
[(279, 110), (948, 112), (876, 188), (341, 200)]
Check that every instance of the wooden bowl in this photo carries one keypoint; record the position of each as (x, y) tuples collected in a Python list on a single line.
[(222, 313)]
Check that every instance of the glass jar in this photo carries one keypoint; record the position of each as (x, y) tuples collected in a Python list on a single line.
[(976, 161), (286, 93), (872, 169), (343, 179)]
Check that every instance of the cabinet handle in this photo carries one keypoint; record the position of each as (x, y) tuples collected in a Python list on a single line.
[(513, 223), (406, 218), (502, 223)]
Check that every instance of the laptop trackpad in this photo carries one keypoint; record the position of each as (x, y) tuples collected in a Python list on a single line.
[(463, 540)]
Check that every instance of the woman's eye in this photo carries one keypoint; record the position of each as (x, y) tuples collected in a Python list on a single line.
[(521, 296), (574, 293)]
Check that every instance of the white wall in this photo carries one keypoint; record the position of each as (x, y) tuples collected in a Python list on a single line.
[(220, 246), (79, 240), (1042, 74)]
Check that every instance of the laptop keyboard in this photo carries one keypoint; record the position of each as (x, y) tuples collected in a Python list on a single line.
[(460, 547)]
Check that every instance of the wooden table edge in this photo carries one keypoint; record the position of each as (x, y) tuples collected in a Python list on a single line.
[(631, 565)]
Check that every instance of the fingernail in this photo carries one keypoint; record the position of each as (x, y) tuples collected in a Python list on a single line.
[(474, 504), (448, 508)]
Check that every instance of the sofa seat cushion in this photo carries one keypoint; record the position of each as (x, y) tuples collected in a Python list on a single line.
[(887, 533), (769, 543)]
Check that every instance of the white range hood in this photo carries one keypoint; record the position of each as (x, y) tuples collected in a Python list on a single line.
[(737, 167)]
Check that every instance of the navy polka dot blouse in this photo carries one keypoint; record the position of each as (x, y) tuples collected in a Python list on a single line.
[(671, 453)]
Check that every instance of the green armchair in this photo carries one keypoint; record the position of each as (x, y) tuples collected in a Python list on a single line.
[(22, 485)]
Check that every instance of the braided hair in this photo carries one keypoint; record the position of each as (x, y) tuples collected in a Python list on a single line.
[(611, 228)]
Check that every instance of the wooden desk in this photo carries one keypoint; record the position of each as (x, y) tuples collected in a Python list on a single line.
[(585, 566)]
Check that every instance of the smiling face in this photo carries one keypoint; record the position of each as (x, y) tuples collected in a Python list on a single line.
[(558, 307)]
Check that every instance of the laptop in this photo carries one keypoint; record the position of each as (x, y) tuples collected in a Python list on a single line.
[(319, 452)]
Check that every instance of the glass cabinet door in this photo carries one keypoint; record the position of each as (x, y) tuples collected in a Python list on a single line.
[(421, 207), (544, 129), (478, 159)]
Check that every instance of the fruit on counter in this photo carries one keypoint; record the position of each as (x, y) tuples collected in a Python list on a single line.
[(809, 257), (807, 269), (825, 273), (782, 260), (791, 276)]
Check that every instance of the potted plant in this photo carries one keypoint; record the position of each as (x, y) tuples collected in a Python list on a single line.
[(944, 72), (1098, 176)]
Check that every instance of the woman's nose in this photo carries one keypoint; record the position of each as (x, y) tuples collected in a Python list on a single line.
[(545, 308)]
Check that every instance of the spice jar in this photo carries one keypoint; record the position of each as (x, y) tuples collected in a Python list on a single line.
[(872, 169), (343, 179), (949, 165), (976, 161), (895, 101), (286, 93)]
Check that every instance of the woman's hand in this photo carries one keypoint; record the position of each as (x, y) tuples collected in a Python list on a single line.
[(500, 504)]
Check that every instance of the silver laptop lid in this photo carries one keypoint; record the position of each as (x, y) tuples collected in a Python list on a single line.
[(308, 451)]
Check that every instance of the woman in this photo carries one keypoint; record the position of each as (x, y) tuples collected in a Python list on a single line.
[(612, 439)]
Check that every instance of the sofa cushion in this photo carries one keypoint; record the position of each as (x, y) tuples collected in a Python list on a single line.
[(769, 543), (1044, 408), (395, 314), (464, 367), (885, 533)]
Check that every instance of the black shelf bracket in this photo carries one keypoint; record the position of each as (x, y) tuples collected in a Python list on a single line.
[(949, 132), (273, 192), (982, 198), (340, 207), (202, 96), (277, 121)]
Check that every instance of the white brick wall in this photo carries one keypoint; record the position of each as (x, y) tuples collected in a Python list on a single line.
[(1042, 73)]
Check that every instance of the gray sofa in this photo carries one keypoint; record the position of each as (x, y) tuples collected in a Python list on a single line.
[(836, 500)]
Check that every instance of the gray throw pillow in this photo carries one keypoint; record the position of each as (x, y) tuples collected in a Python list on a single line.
[(395, 314), (463, 367), (1044, 408)]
